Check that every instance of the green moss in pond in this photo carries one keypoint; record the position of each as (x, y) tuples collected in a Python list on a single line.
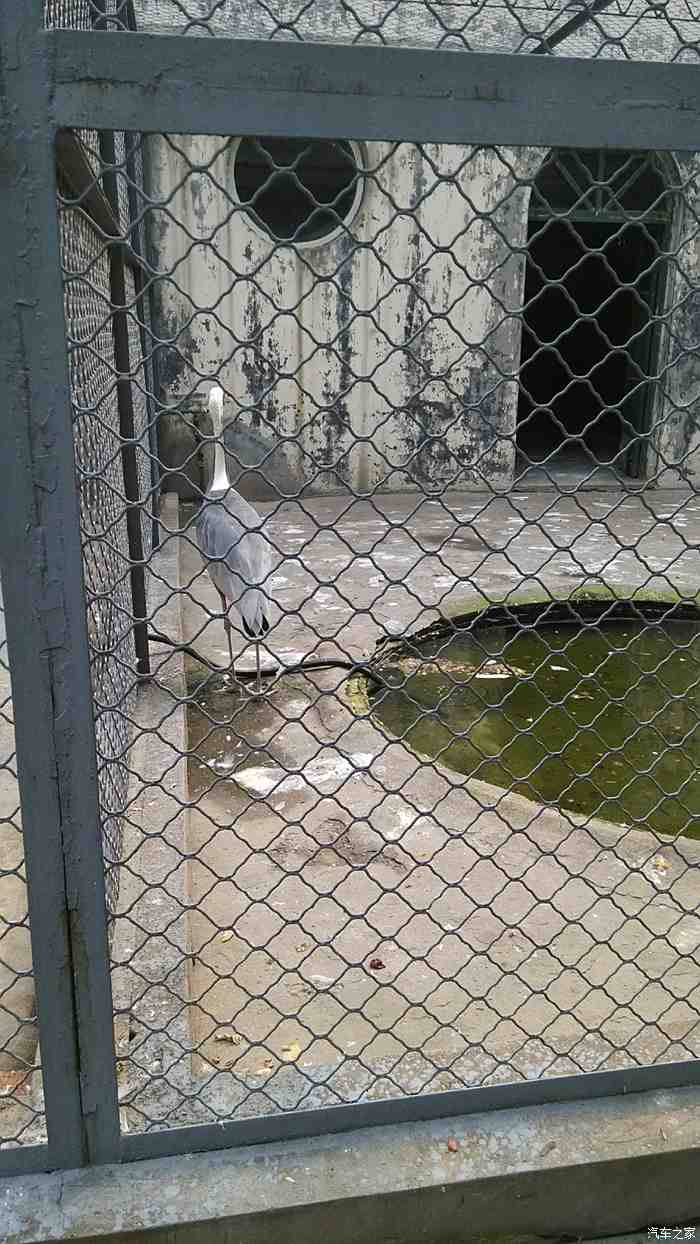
[(600, 719)]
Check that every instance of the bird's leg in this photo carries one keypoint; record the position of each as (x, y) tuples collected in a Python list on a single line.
[(227, 628), (257, 667)]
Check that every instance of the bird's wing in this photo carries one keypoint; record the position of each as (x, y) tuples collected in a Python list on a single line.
[(228, 544)]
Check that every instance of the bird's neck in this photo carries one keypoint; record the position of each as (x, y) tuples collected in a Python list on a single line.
[(220, 482)]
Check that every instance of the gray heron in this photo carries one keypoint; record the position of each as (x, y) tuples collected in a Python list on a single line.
[(233, 546)]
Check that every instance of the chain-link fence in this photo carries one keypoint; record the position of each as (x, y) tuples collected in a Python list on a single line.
[(21, 1114), (451, 377), (617, 29), (386, 455), (112, 394)]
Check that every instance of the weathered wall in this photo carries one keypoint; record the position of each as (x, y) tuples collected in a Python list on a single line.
[(674, 454), (386, 357), (381, 358), (372, 355)]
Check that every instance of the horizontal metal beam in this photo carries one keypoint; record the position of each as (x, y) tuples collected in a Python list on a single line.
[(297, 1124), (178, 84), (29, 1160)]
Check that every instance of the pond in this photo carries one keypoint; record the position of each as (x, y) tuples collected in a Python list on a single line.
[(600, 719)]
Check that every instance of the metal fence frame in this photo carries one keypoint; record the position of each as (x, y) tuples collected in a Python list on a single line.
[(52, 80)]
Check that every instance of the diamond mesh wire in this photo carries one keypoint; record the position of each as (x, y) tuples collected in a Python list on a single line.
[(21, 1109), (100, 444), (452, 377), (617, 29), (93, 379)]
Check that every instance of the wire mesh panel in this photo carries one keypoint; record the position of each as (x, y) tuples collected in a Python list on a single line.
[(98, 461), (410, 802), (100, 439), (618, 29), (21, 1110)]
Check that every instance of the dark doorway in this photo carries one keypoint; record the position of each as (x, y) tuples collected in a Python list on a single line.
[(593, 286)]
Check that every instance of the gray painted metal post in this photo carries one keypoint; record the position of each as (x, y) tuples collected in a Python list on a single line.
[(46, 623)]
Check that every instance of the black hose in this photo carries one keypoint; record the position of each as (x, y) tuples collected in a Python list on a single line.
[(301, 667)]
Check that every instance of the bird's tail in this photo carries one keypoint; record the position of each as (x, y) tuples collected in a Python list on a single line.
[(253, 611), (255, 632)]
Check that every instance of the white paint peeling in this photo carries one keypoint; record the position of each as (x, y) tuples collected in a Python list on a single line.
[(328, 770)]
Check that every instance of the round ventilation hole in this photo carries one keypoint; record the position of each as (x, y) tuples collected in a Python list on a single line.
[(299, 190)]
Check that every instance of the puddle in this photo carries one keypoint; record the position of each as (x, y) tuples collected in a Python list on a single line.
[(600, 720), (218, 723)]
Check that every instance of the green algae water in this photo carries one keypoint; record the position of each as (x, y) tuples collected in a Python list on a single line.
[(601, 720)]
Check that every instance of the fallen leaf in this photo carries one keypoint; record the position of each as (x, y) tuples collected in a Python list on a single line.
[(452, 1145), (376, 965), (226, 935), (227, 1034), (291, 1052)]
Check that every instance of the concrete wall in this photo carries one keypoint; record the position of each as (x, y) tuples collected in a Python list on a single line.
[(371, 359)]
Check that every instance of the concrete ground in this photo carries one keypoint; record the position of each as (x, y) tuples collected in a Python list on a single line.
[(561, 1171), (339, 919)]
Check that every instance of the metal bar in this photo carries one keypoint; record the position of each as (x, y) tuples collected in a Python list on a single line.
[(412, 1109), (176, 84), (142, 299), (549, 42), (29, 1160), (47, 628), (120, 329), (29, 595), (599, 218), (155, 377)]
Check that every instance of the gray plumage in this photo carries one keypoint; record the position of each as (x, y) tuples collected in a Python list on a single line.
[(238, 556), (232, 544)]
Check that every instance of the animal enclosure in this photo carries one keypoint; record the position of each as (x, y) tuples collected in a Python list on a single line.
[(304, 405)]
